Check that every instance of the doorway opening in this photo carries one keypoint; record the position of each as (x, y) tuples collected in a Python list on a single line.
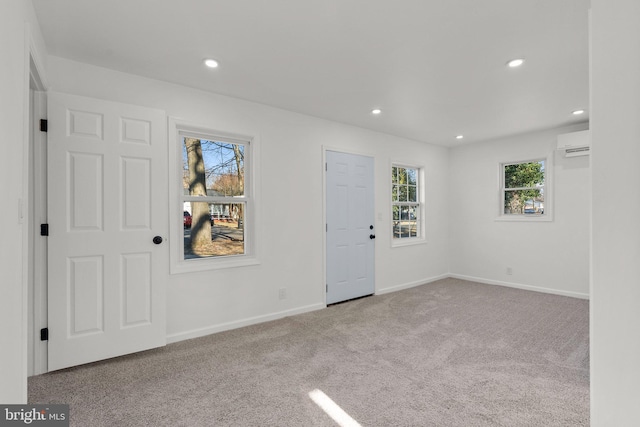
[(36, 215)]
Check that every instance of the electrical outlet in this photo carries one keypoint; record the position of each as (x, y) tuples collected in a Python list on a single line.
[(509, 271), (282, 293)]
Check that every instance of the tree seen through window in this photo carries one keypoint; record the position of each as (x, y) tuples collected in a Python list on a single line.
[(405, 202), (214, 198), (523, 188)]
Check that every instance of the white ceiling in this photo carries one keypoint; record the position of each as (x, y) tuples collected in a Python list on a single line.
[(436, 68)]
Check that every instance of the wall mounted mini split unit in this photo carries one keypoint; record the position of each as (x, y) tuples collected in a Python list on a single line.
[(575, 143)]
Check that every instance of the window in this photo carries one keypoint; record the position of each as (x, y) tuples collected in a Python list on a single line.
[(214, 195), (406, 204), (215, 198), (523, 189)]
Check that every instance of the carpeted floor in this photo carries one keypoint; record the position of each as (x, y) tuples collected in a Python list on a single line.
[(449, 353)]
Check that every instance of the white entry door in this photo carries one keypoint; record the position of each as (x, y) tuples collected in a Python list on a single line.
[(107, 211), (350, 226)]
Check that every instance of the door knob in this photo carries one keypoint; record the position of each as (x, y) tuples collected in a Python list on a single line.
[(372, 236), (157, 240)]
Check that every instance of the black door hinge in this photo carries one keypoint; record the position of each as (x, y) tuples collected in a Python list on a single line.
[(44, 334), (44, 229), (44, 125)]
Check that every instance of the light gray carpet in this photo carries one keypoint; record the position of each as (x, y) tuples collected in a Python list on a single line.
[(449, 353)]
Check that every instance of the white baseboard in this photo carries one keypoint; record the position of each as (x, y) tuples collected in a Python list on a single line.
[(196, 333), (521, 286), (201, 332), (411, 284)]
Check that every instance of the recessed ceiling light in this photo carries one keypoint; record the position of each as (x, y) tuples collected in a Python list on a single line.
[(211, 63), (578, 112), (376, 111), (515, 62), (459, 136)]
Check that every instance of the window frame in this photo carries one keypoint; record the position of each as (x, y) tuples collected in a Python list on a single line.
[(420, 204), (178, 264), (548, 200)]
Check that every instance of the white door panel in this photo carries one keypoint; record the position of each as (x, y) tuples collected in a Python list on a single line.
[(107, 199), (350, 215)]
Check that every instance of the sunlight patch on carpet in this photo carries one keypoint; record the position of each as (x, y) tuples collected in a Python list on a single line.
[(332, 409)]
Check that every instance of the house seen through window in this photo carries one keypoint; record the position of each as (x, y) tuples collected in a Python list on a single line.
[(523, 188), (214, 198)]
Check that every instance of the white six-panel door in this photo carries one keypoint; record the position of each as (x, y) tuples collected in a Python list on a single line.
[(350, 226), (107, 200)]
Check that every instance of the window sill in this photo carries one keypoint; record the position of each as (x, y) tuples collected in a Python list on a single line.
[(398, 243), (208, 264), (524, 218)]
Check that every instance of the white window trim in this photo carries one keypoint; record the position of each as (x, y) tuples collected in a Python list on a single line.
[(178, 265), (548, 189), (408, 241)]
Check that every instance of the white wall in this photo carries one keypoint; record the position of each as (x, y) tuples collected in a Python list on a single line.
[(615, 289), (291, 213), (18, 31), (548, 256)]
